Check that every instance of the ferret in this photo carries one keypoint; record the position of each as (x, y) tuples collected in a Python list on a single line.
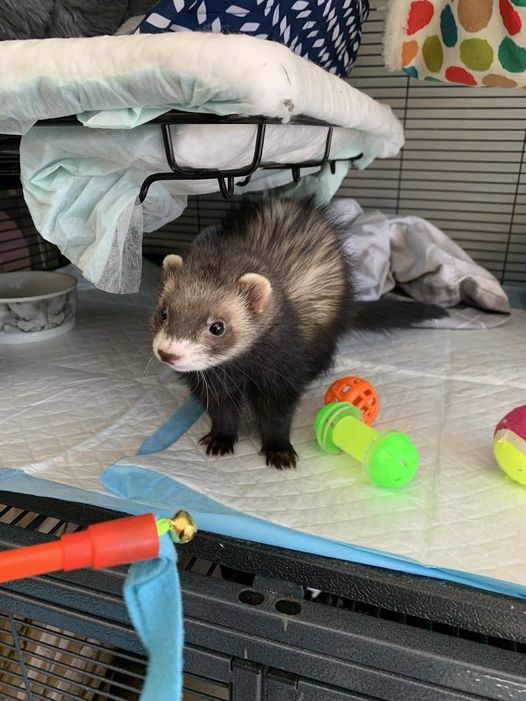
[(254, 312)]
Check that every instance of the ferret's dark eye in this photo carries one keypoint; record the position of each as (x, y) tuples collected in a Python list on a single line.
[(164, 313), (217, 328)]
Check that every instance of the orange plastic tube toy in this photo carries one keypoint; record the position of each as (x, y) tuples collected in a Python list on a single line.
[(108, 544)]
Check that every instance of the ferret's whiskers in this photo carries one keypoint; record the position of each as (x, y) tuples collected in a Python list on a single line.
[(148, 365), (145, 348), (203, 378), (211, 387), (224, 385)]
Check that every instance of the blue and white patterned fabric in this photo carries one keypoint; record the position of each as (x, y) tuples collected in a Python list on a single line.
[(327, 32)]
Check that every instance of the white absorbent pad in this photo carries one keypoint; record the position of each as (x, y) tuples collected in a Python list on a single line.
[(71, 407), (446, 390)]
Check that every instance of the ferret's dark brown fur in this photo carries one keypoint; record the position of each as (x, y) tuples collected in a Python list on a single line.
[(276, 283)]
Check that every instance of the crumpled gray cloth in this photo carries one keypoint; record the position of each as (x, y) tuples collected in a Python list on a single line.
[(409, 254)]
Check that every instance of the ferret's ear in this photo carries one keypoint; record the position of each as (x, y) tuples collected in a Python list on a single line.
[(258, 290), (172, 262)]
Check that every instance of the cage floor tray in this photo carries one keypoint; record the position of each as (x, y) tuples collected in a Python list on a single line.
[(85, 402)]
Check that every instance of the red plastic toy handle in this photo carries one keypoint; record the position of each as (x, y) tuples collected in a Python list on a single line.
[(106, 544)]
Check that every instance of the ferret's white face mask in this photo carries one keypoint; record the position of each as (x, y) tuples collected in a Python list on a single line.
[(181, 354), (207, 327)]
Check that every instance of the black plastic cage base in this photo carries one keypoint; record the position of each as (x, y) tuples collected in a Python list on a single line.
[(266, 624)]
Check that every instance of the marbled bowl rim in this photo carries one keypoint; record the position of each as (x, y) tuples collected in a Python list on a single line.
[(48, 295)]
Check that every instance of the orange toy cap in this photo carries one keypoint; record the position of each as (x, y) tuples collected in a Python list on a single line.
[(357, 392)]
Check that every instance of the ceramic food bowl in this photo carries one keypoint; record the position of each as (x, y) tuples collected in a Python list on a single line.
[(36, 305)]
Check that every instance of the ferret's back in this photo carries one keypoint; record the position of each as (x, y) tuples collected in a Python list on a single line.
[(303, 249)]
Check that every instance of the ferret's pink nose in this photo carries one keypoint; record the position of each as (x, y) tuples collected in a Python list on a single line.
[(168, 357)]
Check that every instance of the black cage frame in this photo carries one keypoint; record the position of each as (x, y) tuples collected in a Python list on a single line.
[(280, 625)]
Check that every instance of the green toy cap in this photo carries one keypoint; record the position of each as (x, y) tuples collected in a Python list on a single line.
[(391, 460), (326, 419)]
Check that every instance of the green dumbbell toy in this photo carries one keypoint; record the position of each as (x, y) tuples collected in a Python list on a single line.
[(389, 459)]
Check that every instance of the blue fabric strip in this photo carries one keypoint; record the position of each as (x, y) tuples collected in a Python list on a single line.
[(152, 591), (137, 484), (177, 424), (153, 597)]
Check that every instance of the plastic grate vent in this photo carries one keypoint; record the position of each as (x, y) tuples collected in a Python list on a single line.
[(414, 621), (327, 599)]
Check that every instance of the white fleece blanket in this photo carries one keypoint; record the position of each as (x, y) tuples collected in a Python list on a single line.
[(81, 185)]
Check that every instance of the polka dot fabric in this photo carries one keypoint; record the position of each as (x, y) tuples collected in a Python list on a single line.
[(468, 42)]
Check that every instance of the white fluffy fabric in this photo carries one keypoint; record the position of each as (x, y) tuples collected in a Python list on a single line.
[(81, 185)]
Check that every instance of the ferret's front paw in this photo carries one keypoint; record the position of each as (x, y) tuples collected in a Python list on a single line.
[(282, 458), (217, 444)]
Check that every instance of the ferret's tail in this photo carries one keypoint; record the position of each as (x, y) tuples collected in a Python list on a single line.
[(389, 314)]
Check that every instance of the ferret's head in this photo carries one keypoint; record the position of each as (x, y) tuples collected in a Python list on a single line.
[(201, 321)]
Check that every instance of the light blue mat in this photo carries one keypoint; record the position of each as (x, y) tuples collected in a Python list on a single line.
[(135, 490)]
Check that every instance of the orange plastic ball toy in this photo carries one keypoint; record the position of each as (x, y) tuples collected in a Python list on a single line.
[(357, 392)]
